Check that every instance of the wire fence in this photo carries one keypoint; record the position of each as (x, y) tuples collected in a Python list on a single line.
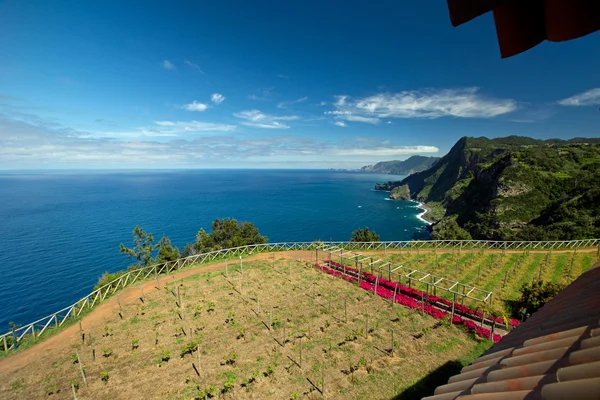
[(10, 340)]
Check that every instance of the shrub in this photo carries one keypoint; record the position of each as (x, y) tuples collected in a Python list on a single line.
[(533, 296), (104, 376), (189, 348), (165, 356), (135, 343), (107, 352)]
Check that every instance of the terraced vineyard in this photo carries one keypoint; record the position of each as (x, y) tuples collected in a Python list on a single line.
[(273, 327), (281, 329), (496, 271)]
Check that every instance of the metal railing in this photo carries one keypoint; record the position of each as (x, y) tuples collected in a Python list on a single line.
[(11, 339)]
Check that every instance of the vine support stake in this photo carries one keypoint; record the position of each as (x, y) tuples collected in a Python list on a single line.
[(392, 348), (81, 368), (120, 307), (81, 332), (178, 297), (74, 391)]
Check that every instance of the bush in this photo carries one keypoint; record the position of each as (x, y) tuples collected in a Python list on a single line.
[(533, 296)]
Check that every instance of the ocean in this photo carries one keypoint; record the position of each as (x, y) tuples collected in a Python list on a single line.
[(59, 231)]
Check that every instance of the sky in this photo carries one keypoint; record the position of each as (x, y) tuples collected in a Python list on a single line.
[(272, 84)]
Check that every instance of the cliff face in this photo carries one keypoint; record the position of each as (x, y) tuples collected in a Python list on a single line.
[(513, 188), (400, 193), (409, 166)]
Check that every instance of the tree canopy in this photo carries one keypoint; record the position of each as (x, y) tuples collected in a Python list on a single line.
[(144, 247), (226, 233), (364, 235)]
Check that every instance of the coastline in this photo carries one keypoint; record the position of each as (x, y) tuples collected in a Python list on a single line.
[(425, 209)]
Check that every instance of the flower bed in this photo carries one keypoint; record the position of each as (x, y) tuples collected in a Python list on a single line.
[(458, 308), (383, 288)]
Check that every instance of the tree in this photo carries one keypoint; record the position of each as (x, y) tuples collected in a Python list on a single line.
[(364, 235), (143, 247), (226, 233), (166, 251)]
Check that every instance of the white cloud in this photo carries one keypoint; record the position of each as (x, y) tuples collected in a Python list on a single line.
[(37, 142), (340, 123), (286, 104), (194, 126), (588, 98), (193, 66), (195, 106), (421, 104), (257, 119), (168, 65), (385, 151), (262, 94), (217, 98)]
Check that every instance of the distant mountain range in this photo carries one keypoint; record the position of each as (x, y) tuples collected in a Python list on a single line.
[(513, 188), (409, 166)]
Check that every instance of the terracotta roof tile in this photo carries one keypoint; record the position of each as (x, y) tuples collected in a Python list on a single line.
[(555, 354)]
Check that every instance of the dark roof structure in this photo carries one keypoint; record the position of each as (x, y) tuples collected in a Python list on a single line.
[(523, 24), (555, 354)]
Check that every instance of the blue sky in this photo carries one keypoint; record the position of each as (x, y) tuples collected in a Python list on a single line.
[(272, 84)]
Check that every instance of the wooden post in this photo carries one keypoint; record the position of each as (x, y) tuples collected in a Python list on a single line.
[(74, 391), (375, 288), (5, 345), (120, 308), (271, 319), (394, 298), (93, 354), (226, 269), (81, 332), (300, 352), (178, 297), (81, 368), (366, 325), (359, 275), (345, 311), (392, 351), (422, 303), (323, 377), (198, 351), (241, 266), (283, 341), (452, 315), (389, 271), (492, 331)]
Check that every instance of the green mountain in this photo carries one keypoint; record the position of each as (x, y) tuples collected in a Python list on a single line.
[(409, 166), (513, 188)]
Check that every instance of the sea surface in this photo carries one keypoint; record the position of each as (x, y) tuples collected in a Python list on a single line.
[(59, 231)]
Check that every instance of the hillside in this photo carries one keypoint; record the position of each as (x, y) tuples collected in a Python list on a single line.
[(409, 166), (513, 188)]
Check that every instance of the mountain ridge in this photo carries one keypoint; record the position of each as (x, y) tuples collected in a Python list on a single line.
[(409, 166), (512, 188)]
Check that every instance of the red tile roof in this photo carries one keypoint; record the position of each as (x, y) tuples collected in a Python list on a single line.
[(555, 354), (523, 24)]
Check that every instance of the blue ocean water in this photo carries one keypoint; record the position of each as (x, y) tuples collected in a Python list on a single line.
[(59, 231)]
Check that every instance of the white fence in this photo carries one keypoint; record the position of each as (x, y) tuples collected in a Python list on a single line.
[(57, 319)]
